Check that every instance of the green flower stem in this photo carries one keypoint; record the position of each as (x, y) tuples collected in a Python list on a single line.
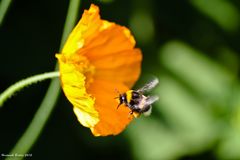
[(24, 83), (4, 5), (40, 118)]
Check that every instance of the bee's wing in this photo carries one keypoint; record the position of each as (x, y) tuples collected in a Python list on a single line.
[(148, 86), (148, 105), (150, 100)]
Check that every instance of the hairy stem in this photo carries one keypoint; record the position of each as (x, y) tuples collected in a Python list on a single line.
[(10, 91)]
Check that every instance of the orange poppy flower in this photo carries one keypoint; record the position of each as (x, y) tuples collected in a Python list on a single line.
[(98, 58)]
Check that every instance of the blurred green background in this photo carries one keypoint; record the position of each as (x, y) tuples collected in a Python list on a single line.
[(192, 46)]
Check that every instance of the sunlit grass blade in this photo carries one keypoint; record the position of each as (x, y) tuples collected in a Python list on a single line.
[(222, 12), (4, 5), (209, 80)]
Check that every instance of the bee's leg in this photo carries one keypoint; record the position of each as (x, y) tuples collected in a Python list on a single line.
[(118, 105), (131, 112)]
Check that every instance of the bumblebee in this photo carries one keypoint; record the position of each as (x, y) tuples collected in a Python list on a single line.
[(137, 101)]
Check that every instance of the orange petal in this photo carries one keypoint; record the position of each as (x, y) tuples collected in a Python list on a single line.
[(87, 26), (111, 120), (124, 67), (111, 40)]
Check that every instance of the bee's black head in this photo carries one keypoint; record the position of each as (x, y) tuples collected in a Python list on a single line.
[(122, 99)]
